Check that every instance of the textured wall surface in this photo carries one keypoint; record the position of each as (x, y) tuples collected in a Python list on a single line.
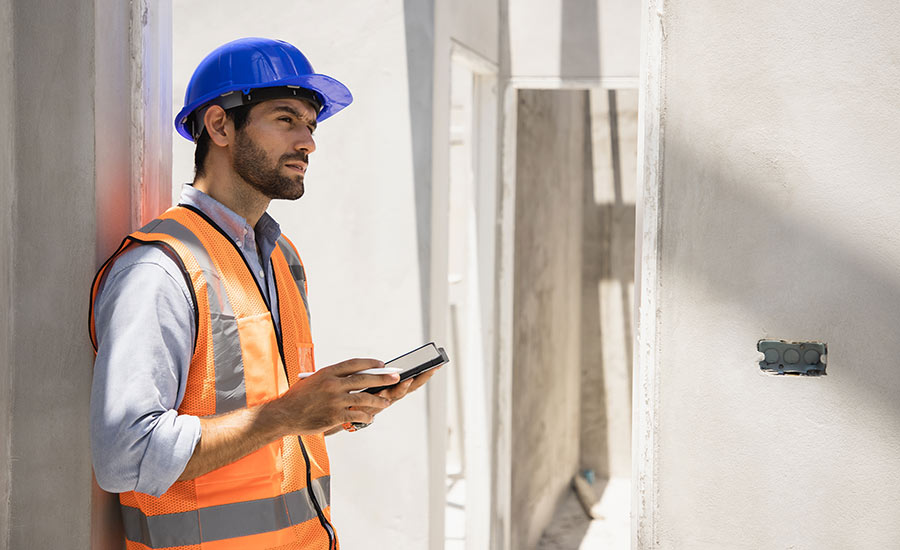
[(779, 220), (7, 250), (53, 263), (552, 166)]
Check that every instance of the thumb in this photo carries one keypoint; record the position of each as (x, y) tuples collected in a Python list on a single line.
[(346, 368)]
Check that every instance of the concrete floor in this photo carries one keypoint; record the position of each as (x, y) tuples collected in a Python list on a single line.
[(455, 514), (573, 530)]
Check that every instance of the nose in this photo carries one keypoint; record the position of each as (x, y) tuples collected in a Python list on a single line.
[(305, 141)]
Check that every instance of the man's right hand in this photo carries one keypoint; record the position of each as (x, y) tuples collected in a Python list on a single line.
[(324, 400), (312, 405)]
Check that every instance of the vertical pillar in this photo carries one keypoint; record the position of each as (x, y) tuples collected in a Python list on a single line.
[(7, 223), (437, 325), (133, 64), (52, 81), (65, 165)]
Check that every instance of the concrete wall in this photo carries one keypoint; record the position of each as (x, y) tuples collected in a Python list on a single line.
[(777, 219), (475, 24), (7, 251), (585, 40), (361, 227), (48, 198), (553, 159)]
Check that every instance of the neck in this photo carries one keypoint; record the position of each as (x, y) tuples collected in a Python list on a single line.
[(236, 194)]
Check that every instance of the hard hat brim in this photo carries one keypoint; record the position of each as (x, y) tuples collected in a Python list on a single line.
[(335, 96)]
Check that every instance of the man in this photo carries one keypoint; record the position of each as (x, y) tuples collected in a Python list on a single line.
[(199, 416)]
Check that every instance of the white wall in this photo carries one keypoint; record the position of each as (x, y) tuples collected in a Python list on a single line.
[(586, 40), (475, 24), (777, 219), (356, 229)]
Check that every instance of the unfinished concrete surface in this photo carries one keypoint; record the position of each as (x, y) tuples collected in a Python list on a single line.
[(606, 331), (572, 529), (47, 262), (552, 164), (777, 220), (7, 251)]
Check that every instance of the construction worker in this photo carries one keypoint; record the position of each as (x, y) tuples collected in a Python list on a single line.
[(199, 416)]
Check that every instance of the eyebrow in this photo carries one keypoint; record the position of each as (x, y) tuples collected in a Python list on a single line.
[(295, 112)]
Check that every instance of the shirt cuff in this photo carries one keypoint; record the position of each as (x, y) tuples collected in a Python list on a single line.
[(171, 446)]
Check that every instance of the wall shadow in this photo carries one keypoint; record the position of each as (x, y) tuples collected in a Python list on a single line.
[(418, 19), (750, 248), (579, 26)]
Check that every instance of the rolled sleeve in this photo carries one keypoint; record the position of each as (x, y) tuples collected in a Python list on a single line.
[(145, 332)]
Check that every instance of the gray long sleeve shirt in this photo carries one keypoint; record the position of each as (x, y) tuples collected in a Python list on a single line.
[(145, 332)]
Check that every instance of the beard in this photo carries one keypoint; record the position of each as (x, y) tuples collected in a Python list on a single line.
[(252, 164)]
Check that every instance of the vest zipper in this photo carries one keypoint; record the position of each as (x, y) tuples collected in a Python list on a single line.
[(326, 525), (312, 495)]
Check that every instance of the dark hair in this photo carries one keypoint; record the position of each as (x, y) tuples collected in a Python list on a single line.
[(240, 115)]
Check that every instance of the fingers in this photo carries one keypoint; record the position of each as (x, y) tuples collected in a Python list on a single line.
[(407, 386), (363, 411), (363, 381), (358, 415), (420, 380), (368, 401), (397, 392), (351, 382), (346, 368)]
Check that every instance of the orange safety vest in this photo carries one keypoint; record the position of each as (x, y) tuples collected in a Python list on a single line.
[(278, 496)]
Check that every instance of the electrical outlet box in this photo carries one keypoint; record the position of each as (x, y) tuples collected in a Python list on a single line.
[(799, 358)]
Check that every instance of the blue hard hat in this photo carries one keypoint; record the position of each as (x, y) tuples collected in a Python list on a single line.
[(249, 70)]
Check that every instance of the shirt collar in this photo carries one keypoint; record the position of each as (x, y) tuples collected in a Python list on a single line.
[(235, 226)]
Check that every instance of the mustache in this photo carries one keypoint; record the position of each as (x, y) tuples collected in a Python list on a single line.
[(300, 155)]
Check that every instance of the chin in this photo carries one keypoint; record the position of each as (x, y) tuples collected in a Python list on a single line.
[(290, 194)]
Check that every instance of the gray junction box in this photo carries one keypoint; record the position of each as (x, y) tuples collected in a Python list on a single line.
[(799, 358)]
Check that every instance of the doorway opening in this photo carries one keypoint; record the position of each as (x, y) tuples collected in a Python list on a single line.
[(470, 311)]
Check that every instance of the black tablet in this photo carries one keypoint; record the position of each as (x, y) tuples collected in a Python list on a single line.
[(414, 363)]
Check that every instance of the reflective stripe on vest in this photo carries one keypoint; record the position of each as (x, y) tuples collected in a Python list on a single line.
[(224, 521), (230, 391), (296, 267), (279, 494)]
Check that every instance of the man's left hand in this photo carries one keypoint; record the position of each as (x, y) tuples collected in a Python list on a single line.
[(398, 391)]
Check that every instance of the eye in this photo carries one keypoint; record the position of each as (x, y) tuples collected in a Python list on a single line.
[(287, 119)]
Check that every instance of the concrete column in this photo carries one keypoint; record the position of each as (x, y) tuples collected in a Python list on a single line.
[(7, 223), (65, 186), (52, 264)]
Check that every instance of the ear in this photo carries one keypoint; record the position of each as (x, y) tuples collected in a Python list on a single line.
[(219, 126)]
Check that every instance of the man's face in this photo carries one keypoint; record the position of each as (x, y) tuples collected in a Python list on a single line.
[(271, 153)]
